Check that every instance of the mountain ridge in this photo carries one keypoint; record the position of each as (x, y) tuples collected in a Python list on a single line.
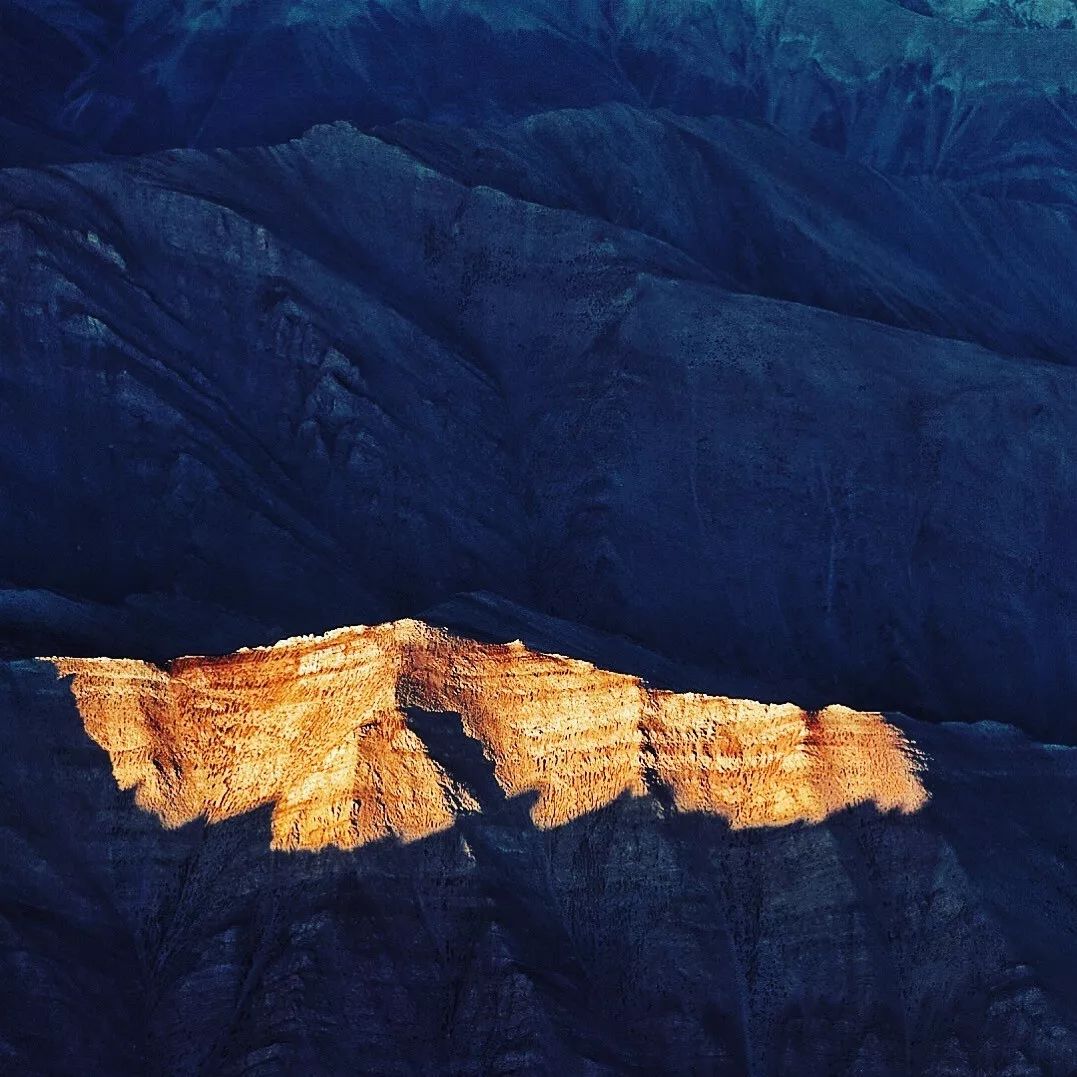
[(217, 736), (628, 368), (505, 942), (344, 400), (893, 98)]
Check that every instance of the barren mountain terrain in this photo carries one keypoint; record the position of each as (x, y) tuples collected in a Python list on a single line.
[(398, 850), (683, 394)]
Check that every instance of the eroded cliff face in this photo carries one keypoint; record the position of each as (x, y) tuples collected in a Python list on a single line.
[(401, 850), (319, 729)]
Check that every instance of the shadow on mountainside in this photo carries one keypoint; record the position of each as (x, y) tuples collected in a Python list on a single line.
[(629, 940)]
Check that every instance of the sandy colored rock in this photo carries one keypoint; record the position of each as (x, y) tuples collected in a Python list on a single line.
[(318, 727)]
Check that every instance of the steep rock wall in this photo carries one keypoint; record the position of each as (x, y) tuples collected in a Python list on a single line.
[(318, 727), (661, 932)]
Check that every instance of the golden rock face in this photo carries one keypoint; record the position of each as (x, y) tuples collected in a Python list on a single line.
[(319, 729)]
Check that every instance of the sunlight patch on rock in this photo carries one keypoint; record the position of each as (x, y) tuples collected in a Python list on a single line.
[(318, 728)]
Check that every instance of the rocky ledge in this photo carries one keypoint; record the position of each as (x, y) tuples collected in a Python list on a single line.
[(401, 849), (319, 728)]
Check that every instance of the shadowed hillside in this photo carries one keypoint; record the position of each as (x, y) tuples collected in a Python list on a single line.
[(251, 394), (683, 391), (643, 934)]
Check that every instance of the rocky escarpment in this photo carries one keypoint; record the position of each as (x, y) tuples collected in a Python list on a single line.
[(398, 850), (318, 728), (737, 329), (248, 394)]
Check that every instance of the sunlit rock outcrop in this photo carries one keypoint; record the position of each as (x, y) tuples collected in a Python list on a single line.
[(318, 728), (402, 850)]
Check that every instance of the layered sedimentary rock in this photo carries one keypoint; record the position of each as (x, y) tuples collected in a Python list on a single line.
[(318, 728), (399, 850)]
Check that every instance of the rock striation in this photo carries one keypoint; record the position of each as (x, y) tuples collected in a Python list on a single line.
[(402, 850), (318, 728), (713, 351)]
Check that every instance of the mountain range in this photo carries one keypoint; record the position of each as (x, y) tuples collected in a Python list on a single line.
[(723, 346)]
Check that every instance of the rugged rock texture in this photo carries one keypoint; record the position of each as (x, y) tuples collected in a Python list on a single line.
[(774, 217), (741, 329), (318, 728), (991, 106), (248, 394), (724, 347), (1039, 14), (474, 912)]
